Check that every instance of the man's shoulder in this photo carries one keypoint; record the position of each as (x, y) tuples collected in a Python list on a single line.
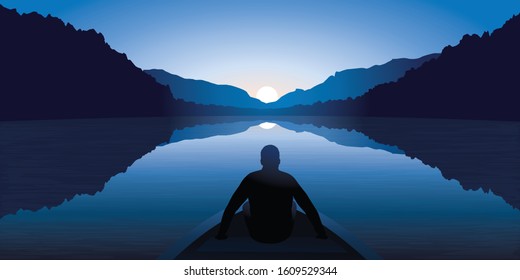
[(252, 175), (287, 178), (263, 173), (279, 175), (287, 175)]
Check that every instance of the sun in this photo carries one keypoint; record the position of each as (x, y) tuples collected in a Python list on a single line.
[(267, 125), (267, 94)]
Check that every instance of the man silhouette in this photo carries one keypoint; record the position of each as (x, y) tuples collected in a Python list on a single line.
[(270, 211)]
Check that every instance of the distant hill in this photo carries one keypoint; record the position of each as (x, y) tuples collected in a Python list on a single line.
[(49, 70), (205, 93), (351, 83), (477, 79)]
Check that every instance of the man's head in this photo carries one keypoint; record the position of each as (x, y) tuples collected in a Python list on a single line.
[(270, 157)]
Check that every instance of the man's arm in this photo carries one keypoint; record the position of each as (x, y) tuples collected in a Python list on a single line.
[(305, 203), (236, 200)]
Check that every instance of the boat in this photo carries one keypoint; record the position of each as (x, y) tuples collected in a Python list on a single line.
[(201, 244)]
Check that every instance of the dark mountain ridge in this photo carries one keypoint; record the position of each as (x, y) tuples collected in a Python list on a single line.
[(50, 70), (477, 79)]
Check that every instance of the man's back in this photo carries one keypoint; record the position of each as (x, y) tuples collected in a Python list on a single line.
[(270, 193)]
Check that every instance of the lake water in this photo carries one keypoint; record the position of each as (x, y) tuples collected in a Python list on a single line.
[(129, 189)]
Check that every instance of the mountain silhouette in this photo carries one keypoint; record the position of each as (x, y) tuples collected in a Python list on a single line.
[(50, 70), (351, 83), (205, 93), (477, 79)]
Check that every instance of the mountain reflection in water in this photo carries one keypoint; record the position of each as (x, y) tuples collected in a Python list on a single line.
[(166, 176)]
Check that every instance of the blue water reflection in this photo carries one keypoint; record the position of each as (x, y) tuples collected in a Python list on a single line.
[(396, 205)]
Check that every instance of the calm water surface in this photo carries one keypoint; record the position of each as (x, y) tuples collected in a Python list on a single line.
[(395, 203)]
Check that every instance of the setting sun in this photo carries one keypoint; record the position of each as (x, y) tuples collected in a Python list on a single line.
[(267, 94)]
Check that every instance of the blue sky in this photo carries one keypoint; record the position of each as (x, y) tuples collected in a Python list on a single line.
[(283, 44)]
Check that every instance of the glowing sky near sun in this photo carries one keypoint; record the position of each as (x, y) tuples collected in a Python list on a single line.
[(282, 44)]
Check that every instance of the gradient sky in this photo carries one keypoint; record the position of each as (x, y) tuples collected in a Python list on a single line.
[(283, 44)]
